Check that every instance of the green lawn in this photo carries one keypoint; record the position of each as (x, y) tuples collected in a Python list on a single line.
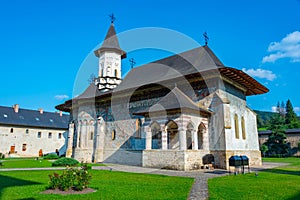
[(278, 183), (29, 163), (109, 185), (25, 163)]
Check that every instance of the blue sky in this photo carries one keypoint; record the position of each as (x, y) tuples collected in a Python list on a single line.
[(44, 43)]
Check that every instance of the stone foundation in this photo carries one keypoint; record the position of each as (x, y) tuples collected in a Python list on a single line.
[(186, 160), (83, 155), (222, 157), (174, 159), (122, 156)]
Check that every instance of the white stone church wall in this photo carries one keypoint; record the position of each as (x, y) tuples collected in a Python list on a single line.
[(238, 107)]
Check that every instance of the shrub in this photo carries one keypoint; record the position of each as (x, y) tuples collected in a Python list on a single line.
[(77, 179), (51, 156), (65, 162)]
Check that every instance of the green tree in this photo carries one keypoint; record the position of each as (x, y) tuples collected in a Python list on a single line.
[(291, 119), (264, 149), (277, 140)]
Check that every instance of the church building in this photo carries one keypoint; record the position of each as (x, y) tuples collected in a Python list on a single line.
[(180, 112)]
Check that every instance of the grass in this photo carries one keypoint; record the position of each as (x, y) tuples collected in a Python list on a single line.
[(109, 185), (25, 163), (29, 163), (278, 183)]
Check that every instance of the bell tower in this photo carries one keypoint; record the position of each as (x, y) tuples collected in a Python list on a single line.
[(110, 55)]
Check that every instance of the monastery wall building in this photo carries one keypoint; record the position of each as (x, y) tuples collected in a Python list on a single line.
[(28, 133), (180, 112)]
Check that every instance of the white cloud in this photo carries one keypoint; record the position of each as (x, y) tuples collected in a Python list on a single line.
[(61, 97), (260, 73), (296, 109), (274, 108), (288, 47)]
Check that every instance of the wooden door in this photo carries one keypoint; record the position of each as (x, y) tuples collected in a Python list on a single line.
[(12, 149)]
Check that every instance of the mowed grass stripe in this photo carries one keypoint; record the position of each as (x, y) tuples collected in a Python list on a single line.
[(109, 185)]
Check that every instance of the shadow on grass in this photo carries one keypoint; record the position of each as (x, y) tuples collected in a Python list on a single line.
[(282, 171), (7, 181), (296, 197)]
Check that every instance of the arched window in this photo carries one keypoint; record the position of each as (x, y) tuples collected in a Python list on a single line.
[(243, 128), (236, 126), (189, 140), (173, 135), (156, 136), (138, 129), (113, 134), (200, 133), (108, 71), (11, 130)]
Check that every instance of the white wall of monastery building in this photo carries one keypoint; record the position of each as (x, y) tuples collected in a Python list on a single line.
[(28, 141)]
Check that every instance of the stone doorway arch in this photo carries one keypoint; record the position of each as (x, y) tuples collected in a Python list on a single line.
[(173, 136), (189, 136), (156, 135)]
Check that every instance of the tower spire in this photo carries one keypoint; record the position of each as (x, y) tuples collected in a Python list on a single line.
[(110, 55)]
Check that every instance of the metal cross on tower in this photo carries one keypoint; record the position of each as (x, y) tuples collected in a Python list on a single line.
[(112, 18), (206, 38), (132, 62)]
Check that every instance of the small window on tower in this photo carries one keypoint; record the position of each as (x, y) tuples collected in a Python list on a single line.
[(59, 135), (49, 135), (39, 135), (27, 131), (11, 130)]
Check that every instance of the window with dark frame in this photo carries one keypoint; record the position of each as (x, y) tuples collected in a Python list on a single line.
[(59, 135), (49, 135), (11, 130), (39, 135), (27, 131), (24, 147)]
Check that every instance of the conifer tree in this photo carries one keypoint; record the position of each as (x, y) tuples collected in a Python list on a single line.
[(277, 140), (291, 119)]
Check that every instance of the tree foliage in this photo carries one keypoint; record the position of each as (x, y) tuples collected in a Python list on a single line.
[(277, 140), (290, 117)]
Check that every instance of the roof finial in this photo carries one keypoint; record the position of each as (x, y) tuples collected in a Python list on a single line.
[(132, 62), (206, 38), (112, 18)]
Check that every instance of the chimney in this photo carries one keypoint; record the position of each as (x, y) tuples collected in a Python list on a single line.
[(16, 108), (41, 110), (60, 113)]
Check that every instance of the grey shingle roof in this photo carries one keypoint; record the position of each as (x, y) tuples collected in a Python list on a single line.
[(190, 62), (199, 60), (111, 42), (175, 99), (33, 118), (269, 132)]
